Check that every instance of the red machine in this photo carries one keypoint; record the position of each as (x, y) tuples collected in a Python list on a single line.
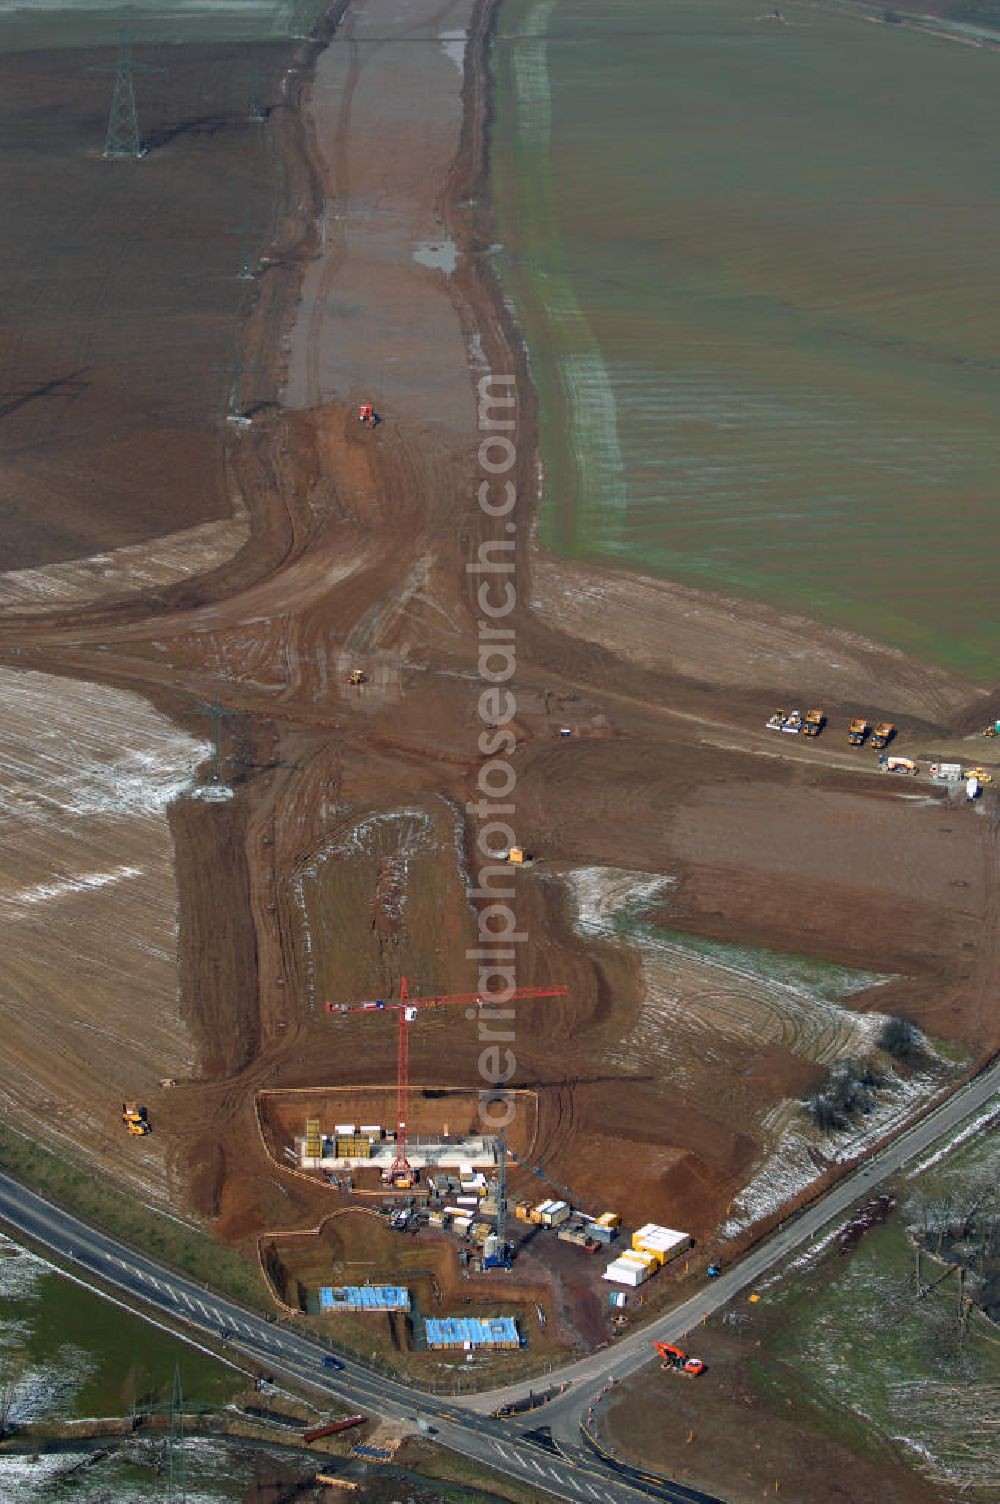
[(367, 414), (401, 1172), (676, 1358), (334, 1426)]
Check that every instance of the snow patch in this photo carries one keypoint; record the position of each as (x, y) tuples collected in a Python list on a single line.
[(986, 1119), (437, 255), (790, 1168), (453, 47)]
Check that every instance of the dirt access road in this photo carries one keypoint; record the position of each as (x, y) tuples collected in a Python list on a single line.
[(356, 556)]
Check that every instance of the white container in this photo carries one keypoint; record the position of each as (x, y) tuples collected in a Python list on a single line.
[(621, 1272), (343, 1130)]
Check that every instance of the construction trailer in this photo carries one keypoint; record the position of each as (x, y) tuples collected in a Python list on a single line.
[(470, 1332), (662, 1243), (605, 1227)]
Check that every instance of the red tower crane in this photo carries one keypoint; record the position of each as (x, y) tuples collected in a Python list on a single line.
[(408, 1007)]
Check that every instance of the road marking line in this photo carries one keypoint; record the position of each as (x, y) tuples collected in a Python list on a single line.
[(502, 1450)]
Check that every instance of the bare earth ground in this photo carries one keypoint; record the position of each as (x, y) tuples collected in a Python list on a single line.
[(716, 1433), (341, 862)]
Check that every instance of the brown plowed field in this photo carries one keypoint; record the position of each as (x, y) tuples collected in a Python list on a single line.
[(342, 861)]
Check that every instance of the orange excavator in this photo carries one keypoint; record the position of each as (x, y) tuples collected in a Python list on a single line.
[(676, 1360)]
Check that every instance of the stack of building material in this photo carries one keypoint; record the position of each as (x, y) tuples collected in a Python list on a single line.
[(471, 1331), (364, 1298)]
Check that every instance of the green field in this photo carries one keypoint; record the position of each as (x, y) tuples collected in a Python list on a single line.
[(755, 268), (93, 23), (68, 1352), (847, 1343)]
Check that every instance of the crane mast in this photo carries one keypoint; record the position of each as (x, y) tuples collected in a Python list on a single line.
[(408, 1007)]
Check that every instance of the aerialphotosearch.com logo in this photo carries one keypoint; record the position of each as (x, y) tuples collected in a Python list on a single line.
[(496, 597)]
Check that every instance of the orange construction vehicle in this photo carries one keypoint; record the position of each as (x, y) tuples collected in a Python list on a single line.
[(367, 414), (858, 732), (677, 1360), (813, 723), (883, 734)]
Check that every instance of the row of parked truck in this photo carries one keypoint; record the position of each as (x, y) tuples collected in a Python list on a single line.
[(792, 722)]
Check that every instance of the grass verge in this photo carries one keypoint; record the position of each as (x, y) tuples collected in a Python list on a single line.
[(91, 1197), (448, 1467)]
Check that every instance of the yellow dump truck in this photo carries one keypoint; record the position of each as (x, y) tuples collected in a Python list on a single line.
[(135, 1118)]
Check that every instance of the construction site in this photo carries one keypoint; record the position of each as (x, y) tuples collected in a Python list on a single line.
[(245, 786)]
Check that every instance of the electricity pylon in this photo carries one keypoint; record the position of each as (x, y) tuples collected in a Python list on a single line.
[(124, 138), (217, 715), (176, 1487), (255, 108), (236, 373), (248, 270)]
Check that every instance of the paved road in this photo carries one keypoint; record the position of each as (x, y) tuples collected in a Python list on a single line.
[(588, 1376), (468, 1427), (89, 1253)]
